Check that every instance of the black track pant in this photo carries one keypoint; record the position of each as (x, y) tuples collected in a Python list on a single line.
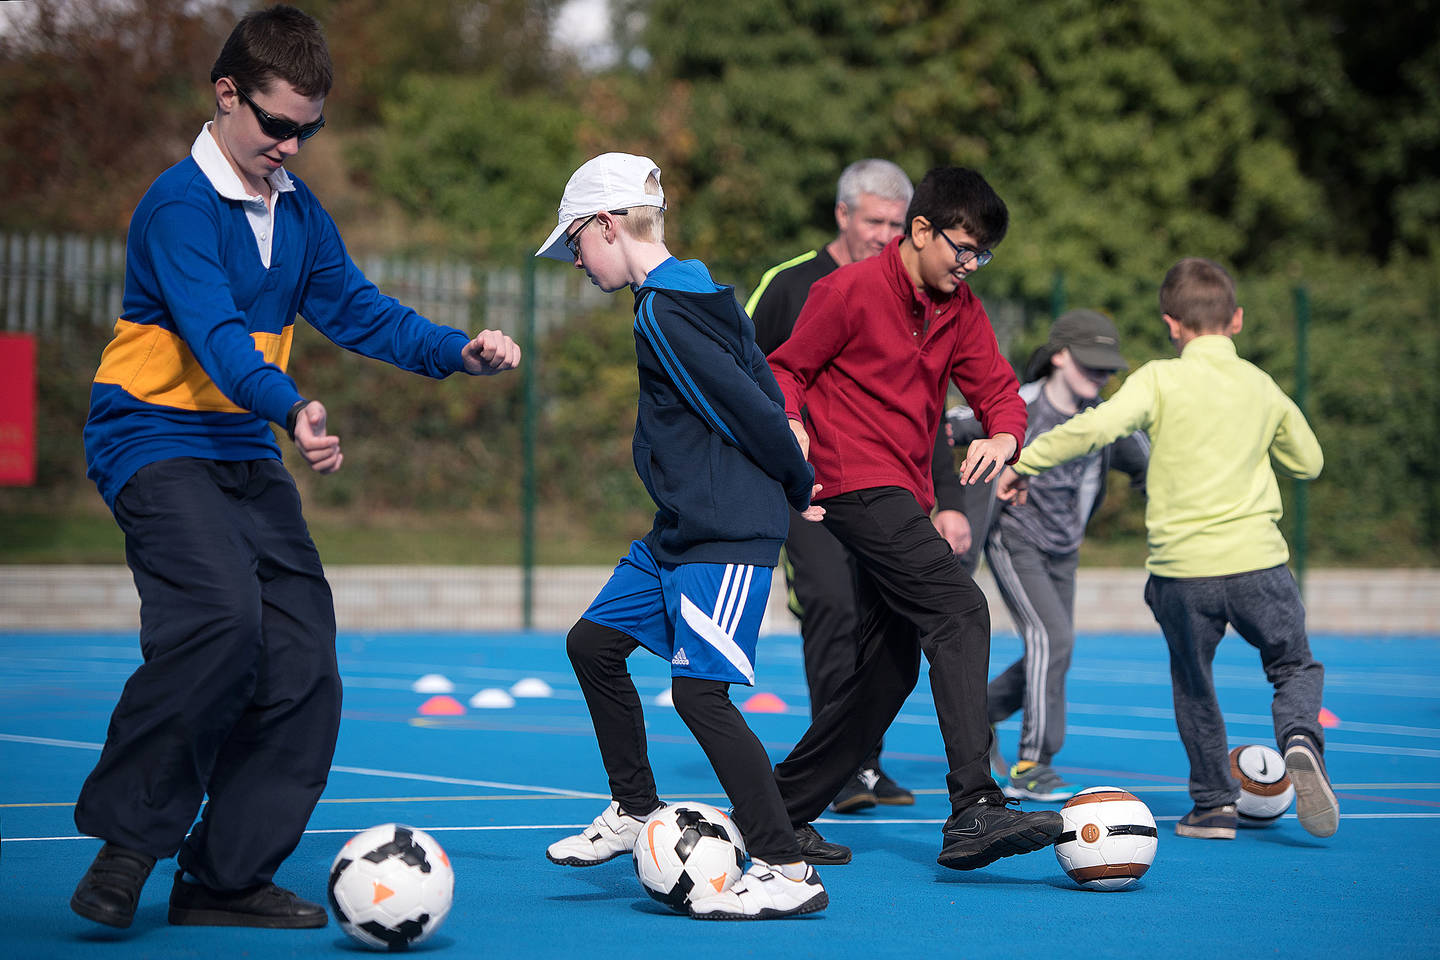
[(914, 596), (238, 697)]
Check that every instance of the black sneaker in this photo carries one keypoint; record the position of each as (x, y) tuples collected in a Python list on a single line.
[(988, 829), (110, 889), (887, 791), (266, 905), (855, 796), (815, 849)]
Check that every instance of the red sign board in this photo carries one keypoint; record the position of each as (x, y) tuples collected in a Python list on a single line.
[(17, 410)]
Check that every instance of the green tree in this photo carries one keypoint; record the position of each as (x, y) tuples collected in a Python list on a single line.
[(489, 166), (91, 93)]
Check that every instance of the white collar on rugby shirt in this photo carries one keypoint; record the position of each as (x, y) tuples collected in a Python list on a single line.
[(223, 177)]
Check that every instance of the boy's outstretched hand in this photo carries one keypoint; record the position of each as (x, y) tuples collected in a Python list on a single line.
[(814, 511), (490, 352), (984, 458), (1012, 487)]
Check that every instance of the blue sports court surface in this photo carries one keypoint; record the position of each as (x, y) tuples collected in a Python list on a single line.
[(496, 785)]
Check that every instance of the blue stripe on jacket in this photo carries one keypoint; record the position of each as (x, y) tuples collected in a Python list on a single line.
[(645, 321)]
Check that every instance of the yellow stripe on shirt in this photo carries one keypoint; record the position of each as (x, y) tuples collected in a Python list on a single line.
[(156, 366)]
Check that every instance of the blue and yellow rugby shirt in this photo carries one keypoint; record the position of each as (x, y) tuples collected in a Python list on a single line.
[(197, 365)]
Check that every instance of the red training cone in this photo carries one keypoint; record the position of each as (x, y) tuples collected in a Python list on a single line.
[(764, 703), (441, 706)]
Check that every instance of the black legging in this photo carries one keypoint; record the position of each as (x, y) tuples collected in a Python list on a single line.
[(598, 654)]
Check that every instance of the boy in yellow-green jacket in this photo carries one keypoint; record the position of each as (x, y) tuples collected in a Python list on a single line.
[(1219, 428)]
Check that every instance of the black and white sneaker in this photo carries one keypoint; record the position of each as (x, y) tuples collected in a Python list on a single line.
[(855, 796), (990, 829), (887, 791)]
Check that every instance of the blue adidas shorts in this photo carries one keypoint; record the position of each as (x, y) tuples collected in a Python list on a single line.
[(702, 617)]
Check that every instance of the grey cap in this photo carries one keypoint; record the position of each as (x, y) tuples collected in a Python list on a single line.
[(1091, 338)]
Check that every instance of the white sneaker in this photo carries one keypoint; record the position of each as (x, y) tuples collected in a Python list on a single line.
[(764, 893), (612, 834)]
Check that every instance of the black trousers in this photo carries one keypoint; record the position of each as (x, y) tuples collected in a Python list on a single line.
[(598, 654), (239, 694), (821, 576), (914, 596)]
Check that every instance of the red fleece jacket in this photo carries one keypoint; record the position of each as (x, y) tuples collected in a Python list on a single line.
[(868, 362)]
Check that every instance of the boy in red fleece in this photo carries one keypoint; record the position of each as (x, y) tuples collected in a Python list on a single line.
[(864, 376)]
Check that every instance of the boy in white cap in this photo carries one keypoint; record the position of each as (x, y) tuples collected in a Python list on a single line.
[(714, 450)]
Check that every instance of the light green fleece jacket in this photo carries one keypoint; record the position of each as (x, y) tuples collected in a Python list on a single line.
[(1219, 428)]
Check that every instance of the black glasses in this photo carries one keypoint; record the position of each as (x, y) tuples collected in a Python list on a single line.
[(964, 255), (572, 241), (277, 128)]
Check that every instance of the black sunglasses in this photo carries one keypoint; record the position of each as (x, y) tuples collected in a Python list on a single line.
[(277, 128)]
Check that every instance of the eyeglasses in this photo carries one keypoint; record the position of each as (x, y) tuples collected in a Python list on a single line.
[(572, 241), (277, 128), (964, 255)]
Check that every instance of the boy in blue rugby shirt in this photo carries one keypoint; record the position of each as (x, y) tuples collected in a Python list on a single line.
[(238, 698), (715, 452)]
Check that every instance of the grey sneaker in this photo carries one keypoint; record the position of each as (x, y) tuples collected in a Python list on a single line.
[(1039, 782), (1315, 803), (1209, 823)]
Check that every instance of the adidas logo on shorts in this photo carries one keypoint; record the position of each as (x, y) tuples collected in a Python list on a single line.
[(680, 660)]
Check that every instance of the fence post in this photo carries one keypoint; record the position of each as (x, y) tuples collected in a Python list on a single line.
[(1057, 294), (1302, 387), (527, 378)]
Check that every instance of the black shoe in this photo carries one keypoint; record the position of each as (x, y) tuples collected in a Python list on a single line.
[(265, 905), (855, 796), (110, 889), (887, 791), (988, 829), (815, 849)]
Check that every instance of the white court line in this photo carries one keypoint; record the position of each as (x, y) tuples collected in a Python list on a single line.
[(1168, 713), (49, 742), (825, 820), (429, 778)]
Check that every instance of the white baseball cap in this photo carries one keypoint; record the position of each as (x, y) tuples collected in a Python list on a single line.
[(611, 181)]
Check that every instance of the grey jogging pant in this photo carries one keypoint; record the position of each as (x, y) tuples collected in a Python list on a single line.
[(1039, 591)]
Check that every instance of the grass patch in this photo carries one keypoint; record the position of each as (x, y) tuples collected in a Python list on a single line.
[(411, 539)]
